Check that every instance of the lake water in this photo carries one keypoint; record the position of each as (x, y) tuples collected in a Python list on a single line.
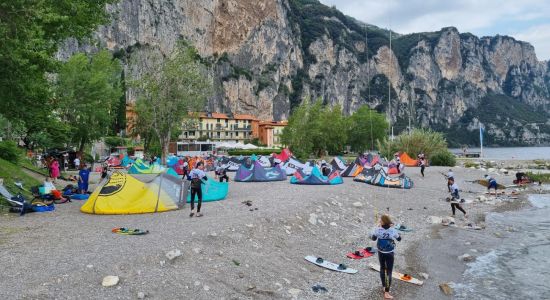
[(522, 153), (519, 268)]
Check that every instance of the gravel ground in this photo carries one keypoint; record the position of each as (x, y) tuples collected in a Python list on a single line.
[(232, 252)]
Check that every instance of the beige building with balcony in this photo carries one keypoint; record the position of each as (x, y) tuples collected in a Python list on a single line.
[(218, 127)]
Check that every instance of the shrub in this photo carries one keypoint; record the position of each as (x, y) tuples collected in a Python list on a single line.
[(443, 158), (539, 177), (419, 140), (253, 151), (114, 141), (470, 164), (9, 151), (87, 158)]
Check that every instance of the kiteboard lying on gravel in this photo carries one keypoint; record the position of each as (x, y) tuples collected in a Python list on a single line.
[(126, 231), (362, 253), (329, 265), (403, 277), (467, 226)]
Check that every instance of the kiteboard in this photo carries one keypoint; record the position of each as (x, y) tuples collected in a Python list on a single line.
[(403, 277), (329, 265), (468, 226), (403, 228), (362, 253), (126, 231), (485, 183)]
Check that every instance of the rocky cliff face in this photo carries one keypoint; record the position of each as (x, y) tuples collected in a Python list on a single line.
[(268, 55)]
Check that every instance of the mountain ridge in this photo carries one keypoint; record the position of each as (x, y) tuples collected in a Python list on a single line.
[(268, 55)]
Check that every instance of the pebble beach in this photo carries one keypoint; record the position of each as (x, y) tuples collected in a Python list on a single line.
[(236, 251)]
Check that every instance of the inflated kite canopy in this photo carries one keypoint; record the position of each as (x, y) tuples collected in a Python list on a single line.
[(378, 176), (125, 194), (140, 167), (407, 160), (292, 165), (257, 173), (316, 178)]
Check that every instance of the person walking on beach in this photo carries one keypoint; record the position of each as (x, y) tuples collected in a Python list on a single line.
[(197, 174), (386, 236), (455, 199), (422, 165)]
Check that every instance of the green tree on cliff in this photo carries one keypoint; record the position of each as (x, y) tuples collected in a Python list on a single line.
[(366, 128)]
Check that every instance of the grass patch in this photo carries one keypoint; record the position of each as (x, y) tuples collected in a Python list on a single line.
[(25, 162), (542, 177), (470, 164), (12, 173)]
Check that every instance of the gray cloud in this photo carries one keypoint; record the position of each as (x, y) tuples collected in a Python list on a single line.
[(487, 17)]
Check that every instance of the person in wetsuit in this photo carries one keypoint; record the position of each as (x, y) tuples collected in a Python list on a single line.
[(386, 235), (197, 175)]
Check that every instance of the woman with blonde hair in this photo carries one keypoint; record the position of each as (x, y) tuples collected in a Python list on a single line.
[(386, 236)]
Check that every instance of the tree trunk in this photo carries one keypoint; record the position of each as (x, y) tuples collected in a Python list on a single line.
[(81, 146), (164, 145)]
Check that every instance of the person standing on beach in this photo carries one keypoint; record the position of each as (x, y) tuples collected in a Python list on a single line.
[(185, 168), (422, 165), (77, 163), (386, 236), (455, 199), (398, 161), (54, 169), (83, 178), (197, 174)]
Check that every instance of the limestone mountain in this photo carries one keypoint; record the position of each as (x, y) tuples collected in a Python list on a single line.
[(266, 56)]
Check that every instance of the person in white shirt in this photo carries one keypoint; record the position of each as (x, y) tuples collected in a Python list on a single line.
[(77, 163), (450, 176), (455, 198), (197, 175), (386, 236), (48, 185)]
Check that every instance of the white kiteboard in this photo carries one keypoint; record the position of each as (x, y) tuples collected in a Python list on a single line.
[(329, 265), (399, 276), (467, 226)]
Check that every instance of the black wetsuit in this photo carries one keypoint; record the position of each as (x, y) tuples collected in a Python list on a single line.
[(196, 188), (222, 174), (386, 247)]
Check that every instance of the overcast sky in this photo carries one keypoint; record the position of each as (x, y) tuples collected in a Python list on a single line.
[(526, 20)]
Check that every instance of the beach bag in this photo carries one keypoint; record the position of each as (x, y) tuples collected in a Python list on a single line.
[(43, 208), (56, 194)]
